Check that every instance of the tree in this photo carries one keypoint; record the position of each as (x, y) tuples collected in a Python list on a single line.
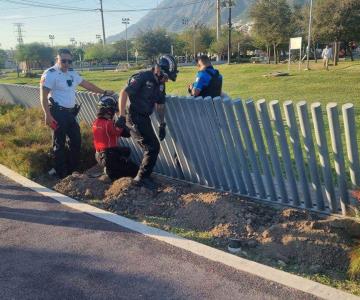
[(3, 57), (272, 19), (78, 54), (120, 49), (152, 43), (99, 52), (238, 38), (201, 35), (337, 21), (34, 53)]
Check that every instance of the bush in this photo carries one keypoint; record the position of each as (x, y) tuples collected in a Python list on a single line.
[(354, 268), (25, 144)]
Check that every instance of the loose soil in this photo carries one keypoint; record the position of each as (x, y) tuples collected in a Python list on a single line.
[(284, 237)]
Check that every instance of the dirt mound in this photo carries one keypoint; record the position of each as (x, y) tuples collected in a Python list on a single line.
[(125, 197), (81, 186), (287, 237)]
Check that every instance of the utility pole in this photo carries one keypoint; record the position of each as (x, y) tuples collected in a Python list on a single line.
[(229, 4), (102, 21), (309, 38), (218, 24), (51, 38), (218, 19), (19, 33), (126, 21)]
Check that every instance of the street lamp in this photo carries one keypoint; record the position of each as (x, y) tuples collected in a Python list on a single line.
[(126, 22), (51, 38), (309, 38)]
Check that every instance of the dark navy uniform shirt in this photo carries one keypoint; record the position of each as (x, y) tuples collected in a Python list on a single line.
[(144, 90)]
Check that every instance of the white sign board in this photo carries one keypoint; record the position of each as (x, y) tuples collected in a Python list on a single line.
[(295, 43)]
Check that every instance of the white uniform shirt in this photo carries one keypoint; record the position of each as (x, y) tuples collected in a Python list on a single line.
[(62, 85)]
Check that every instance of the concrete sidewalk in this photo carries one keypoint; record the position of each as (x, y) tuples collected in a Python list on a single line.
[(49, 251)]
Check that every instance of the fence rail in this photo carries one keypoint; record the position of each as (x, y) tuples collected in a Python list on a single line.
[(248, 147)]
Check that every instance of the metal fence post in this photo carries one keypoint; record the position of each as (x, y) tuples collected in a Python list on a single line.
[(264, 114), (334, 125), (209, 141), (285, 153), (348, 112), (324, 159), (241, 117), (230, 149), (310, 151), (181, 110), (250, 107), (212, 115), (241, 158), (179, 146), (299, 160)]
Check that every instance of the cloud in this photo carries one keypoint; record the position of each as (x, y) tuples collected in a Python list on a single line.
[(12, 17)]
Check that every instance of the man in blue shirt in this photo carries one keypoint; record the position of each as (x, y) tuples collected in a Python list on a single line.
[(208, 80)]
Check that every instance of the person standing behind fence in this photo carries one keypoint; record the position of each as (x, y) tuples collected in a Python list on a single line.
[(57, 96), (146, 90), (326, 55), (208, 80)]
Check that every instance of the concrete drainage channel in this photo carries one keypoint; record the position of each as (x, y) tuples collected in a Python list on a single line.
[(236, 262)]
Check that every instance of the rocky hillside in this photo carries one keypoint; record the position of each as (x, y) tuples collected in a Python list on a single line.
[(203, 11)]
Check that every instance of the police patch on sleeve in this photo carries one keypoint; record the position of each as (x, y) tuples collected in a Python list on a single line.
[(162, 87), (132, 81)]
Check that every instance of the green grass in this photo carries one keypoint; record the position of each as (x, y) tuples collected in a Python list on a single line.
[(25, 142), (340, 84)]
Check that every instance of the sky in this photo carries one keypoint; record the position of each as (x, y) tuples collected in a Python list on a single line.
[(39, 23)]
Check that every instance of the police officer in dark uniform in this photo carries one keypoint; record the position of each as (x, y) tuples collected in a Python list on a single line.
[(146, 90), (57, 94), (208, 80)]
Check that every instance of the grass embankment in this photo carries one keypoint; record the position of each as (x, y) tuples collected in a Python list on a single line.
[(340, 84), (25, 142)]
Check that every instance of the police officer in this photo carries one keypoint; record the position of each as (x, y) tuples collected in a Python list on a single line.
[(208, 80), (57, 95), (146, 90)]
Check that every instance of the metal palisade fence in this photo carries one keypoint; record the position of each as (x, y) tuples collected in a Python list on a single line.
[(292, 155)]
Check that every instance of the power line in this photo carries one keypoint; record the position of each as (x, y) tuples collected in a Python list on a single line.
[(155, 8), (44, 5), (59, 7)]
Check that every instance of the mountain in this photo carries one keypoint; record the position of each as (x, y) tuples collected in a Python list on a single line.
[(196, 11)]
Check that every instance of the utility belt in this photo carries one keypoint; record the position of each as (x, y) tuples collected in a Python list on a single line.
[(73, 110)]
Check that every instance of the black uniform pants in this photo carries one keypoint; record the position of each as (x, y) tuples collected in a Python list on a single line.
[(117, 162), (67, 127), (143, 133)]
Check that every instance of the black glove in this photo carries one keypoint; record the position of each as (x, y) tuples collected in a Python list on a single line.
[(76, 109), (162, 131), (121, 122), (126, 132)]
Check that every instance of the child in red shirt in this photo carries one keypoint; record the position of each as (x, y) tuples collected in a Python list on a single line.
[(113, 158)]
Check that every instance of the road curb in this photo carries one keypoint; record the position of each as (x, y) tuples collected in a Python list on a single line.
[(241, 264)]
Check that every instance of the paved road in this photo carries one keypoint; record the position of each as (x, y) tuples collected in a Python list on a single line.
[(48, 251)]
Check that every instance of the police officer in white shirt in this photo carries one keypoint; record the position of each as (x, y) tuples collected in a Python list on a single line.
[(57, 94)]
